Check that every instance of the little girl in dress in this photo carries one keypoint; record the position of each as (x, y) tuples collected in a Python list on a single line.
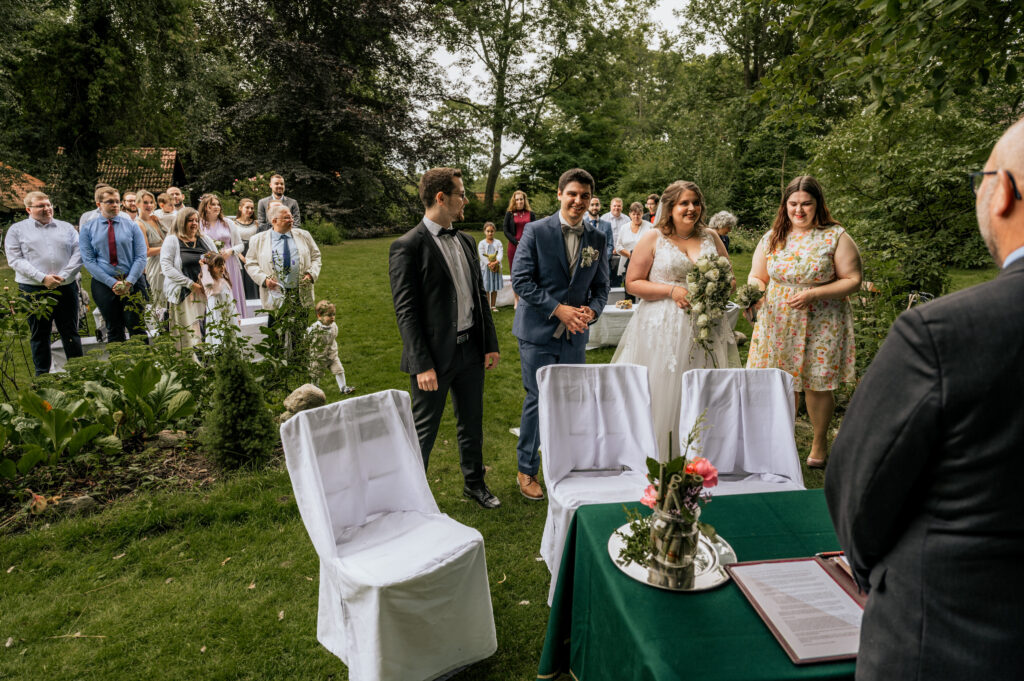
[(220, 301)]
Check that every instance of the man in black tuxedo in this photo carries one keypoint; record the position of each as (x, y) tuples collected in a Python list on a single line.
[(448, 337), (924, 482)]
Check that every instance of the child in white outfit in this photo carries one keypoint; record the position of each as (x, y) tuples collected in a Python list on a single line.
[(325, 347), (220, 302)]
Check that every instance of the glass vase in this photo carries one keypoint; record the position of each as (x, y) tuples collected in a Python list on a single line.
[(674, 539)]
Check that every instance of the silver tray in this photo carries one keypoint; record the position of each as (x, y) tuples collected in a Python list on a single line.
[(710, 561)]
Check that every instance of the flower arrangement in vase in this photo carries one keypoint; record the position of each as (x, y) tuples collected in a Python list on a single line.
[(666, 541)]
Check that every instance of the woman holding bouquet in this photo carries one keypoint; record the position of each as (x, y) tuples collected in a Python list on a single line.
[(809, 266), (662, 334), (225, 235)]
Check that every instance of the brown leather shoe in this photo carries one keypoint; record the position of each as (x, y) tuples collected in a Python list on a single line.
[(529, 487)]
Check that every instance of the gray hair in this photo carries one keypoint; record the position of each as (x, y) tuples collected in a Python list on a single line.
[(275, 211), (722, 219)]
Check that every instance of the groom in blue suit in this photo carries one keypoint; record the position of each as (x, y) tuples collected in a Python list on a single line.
[(560, 273)]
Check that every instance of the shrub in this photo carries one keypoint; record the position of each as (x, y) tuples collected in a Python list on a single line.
[(238, 429), (324, 233)]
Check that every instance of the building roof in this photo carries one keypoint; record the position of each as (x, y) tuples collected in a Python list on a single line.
[(14, 185), (152, 168)]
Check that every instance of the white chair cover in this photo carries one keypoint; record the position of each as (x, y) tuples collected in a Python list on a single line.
[(403, 588), (591, 417), (749, 438)]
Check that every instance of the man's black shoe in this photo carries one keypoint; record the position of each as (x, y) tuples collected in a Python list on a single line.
[(482, 496)]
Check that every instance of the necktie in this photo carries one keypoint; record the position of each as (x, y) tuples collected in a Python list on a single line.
[(111, 242), (287, 255)]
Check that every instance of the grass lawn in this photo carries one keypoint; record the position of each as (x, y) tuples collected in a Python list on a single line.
[(221, 582)]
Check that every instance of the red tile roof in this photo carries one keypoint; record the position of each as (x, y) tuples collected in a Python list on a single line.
[(149, 168), (14, 185)]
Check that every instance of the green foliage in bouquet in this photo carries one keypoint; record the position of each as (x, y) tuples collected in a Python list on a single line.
[(238, 428), (709, 284)]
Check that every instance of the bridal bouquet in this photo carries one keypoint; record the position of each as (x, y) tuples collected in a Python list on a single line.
[(666, 541), (709, 284)]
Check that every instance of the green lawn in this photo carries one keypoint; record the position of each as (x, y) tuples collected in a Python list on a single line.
[(221, 582)]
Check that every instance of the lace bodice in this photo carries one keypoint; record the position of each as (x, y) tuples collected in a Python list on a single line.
[(671, 265)]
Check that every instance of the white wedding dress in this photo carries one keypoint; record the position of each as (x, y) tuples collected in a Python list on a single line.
[(660, 337)]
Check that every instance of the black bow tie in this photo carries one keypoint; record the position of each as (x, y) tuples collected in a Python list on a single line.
[(577, 230), (447, 231)]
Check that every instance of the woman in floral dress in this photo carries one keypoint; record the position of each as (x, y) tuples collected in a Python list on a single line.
[(809, 266)]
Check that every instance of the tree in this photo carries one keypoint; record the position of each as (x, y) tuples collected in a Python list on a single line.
[(92, 74), (517, 42), (751, 30), (898, 50), (332, 92)]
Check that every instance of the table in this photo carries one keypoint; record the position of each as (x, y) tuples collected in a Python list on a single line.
[(605, 625), (612, 323), (505, 298)]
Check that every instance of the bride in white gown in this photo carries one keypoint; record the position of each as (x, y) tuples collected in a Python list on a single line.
[(660, 335)]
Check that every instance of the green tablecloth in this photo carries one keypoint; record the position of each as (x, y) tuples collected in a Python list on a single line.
[(604, 625)]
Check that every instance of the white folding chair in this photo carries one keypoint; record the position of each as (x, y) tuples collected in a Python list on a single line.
[(595, 437), (403, 588), (749, 433)]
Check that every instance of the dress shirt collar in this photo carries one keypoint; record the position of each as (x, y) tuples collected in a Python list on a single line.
[(44, 225), (432, 226), (1013, 257)]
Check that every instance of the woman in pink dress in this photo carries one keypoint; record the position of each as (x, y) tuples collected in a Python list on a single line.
[(223, 232)]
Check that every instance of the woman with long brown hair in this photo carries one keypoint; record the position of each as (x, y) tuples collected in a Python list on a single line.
[(517, 216), (214, 224), (808, 266), (660, 335)]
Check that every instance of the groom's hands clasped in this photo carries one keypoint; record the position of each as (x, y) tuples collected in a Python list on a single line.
[(576, 319)]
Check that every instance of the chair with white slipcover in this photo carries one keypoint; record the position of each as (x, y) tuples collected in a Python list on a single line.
[(749, 433), (403, 588), (595, 436)]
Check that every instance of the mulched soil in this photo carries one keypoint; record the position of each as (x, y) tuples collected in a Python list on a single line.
[(105, 479)]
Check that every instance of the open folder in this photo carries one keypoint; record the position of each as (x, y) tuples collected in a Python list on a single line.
[(811, 605)]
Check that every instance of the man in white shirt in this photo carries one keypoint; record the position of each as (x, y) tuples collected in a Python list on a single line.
[(177, 198), (44, 255), (618, 220)]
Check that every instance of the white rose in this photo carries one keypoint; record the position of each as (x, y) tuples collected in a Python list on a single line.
[(703, 265), (716, 314), (704, 334), (723, 261), (710, 288), (698, 307), (691, 278), (702, 320), (712, 275)]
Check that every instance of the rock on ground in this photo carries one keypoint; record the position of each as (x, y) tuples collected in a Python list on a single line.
[(304, 397)]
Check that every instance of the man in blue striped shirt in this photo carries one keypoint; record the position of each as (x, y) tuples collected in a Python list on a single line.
[(114, 252), (43, 253)]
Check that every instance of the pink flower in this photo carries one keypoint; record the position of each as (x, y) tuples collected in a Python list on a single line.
[(704, 468), (650, 498)]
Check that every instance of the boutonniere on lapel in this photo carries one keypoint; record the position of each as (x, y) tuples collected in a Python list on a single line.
[(588, 256)]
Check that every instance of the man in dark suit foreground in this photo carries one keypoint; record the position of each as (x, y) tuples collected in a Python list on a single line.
[(448, 337), (924, 482)]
